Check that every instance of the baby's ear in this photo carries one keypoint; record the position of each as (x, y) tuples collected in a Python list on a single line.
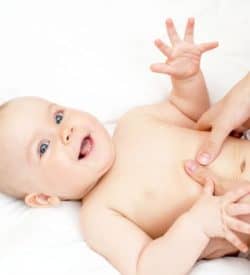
[(41, 200)]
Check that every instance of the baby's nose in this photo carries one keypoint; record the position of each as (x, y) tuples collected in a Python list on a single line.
[(66, 134)]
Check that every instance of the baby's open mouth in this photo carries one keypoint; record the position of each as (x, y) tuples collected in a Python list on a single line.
[(85, 147)]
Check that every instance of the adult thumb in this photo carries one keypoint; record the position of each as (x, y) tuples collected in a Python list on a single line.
[(211, 146), (198, 172), (209, 187)]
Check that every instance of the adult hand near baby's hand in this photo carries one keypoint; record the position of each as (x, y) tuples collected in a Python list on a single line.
[(217, 216), (230, 113), (183, 58)]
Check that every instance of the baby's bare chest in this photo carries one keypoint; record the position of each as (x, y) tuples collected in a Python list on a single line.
[(147, 183)]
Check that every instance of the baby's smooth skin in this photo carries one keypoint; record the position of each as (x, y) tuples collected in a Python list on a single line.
[(40, 150), (133, 186), (147, 189)]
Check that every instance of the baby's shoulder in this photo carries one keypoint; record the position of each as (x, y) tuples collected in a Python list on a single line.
[(163, 112), (133, 115), (130, 122)]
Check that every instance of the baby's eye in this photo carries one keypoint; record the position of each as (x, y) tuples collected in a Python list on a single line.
[(43, 146), (59, 117)]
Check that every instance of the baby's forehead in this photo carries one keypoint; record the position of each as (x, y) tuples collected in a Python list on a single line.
[(21, 116), (25, 108), (27, 102)]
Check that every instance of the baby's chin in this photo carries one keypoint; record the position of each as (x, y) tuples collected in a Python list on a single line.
[(89, 189), (104, 157), (104, 163), (103, 166)]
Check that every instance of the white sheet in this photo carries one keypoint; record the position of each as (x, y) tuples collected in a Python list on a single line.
[(95, 55)]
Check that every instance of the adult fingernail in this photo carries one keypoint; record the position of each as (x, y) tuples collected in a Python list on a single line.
[(204, 158), (191, 165)]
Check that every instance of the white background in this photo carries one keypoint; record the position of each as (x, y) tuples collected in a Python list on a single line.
[(95, 55)]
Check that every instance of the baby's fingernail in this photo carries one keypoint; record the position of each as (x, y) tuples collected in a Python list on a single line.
[(204, 158), (191, 165)]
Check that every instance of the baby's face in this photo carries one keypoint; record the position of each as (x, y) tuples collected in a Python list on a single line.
[(61, 151)]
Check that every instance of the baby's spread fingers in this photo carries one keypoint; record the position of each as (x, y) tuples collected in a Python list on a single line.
[(166, 50), (189, 32), (162, 68), (236, 241), (236, 195), (204, 47), (236, 209), (237, 225), (172, 34)]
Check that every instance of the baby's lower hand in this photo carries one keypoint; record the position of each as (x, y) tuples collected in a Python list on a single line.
[(217, 215), (183, 58)]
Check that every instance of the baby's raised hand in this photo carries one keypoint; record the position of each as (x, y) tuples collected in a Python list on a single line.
[(183, 58), (217, 216)]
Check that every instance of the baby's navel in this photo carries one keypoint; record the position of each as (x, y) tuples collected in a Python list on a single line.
[(242, 166)]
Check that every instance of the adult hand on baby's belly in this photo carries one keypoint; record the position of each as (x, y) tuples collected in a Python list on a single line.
[(228, 114), (219, 247), (201, 173)]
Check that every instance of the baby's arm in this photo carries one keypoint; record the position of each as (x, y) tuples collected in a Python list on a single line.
[(189, 93), (132, 252), (201, 173)]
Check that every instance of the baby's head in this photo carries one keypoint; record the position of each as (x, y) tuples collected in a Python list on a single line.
[(50, 153)]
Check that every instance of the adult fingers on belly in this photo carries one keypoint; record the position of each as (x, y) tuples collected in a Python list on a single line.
[(202, 174)]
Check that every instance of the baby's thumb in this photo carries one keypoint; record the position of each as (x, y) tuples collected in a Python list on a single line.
[(211, 147)]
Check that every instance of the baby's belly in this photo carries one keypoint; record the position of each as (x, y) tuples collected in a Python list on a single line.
[(156, 192)]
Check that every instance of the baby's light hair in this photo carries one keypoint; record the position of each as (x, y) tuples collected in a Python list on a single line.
[(3, 106), (5, 188)]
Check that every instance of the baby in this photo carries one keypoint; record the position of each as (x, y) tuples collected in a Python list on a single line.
[(140, 209)]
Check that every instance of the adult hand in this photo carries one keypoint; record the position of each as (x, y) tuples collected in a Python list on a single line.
[(203, 175), (217, 216), (230, 113)]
